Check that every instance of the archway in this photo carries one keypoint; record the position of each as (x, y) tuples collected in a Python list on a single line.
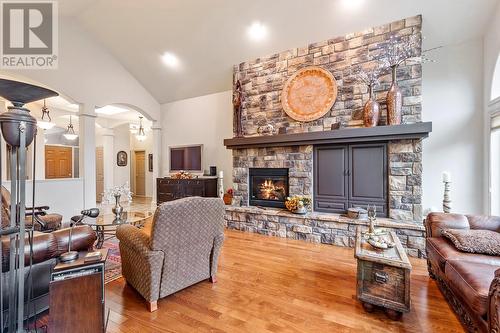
[(117, 133)]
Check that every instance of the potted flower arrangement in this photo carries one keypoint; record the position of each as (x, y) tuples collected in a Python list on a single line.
[(228, 196), (298, 204)]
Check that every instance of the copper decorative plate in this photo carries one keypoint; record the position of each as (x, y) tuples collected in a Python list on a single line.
[(309, 94)]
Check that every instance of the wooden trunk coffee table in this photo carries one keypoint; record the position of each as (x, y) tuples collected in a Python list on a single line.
[(383, 277)]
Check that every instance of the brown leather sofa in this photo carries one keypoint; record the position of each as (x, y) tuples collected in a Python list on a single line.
[(470, 282), (46, 248)]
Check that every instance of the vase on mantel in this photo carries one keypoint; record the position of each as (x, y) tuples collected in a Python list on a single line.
[(394, 100), (371, 112)]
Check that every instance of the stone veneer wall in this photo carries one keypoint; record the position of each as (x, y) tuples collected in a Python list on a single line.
[(262, 82), (263, 79)]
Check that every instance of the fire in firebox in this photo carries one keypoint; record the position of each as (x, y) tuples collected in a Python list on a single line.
[(269, 190)]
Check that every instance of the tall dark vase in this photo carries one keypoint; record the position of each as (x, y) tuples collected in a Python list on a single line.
[(394, 101), (371, 112)]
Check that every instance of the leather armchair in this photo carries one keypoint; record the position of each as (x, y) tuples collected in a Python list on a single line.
[(46, 248), (179, 249), (36, 216), (470, 282)]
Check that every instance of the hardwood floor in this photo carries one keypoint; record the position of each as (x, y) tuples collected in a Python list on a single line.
[(268, 284)]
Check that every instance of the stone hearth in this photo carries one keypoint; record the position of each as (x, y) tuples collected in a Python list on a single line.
[(319, 227)]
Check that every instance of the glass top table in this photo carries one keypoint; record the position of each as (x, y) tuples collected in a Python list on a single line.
[(106, 223)]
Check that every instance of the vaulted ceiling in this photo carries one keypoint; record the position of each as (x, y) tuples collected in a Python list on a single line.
[(210, 36)]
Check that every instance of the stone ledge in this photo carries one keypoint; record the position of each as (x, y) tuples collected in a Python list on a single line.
[(327, 217), (323, 228)]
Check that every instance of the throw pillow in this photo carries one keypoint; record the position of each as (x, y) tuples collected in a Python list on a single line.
[(474, 241)]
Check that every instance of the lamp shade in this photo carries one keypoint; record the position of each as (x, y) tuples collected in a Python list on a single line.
[(18, 118)]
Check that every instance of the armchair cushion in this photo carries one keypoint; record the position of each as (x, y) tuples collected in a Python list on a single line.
[(484, 222), (46, 222), (474, 241), (440, 250)]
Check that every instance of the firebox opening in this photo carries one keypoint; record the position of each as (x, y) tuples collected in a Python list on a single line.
[(268, 186)]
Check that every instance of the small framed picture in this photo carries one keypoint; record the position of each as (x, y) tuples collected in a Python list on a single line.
[(150, 162), (121, 158)]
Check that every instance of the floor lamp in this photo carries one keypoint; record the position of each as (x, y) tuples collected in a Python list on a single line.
[(18, 129)]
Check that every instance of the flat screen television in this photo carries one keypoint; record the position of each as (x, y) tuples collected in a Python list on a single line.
[(187, 158)]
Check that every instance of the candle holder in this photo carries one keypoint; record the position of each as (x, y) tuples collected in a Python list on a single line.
[(446, 197)]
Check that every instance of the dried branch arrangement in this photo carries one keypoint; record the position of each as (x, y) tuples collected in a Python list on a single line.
[(400, 49)]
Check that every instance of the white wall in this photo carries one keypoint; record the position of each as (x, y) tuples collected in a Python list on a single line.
[(121, 174), (452, 93), (55, 193), (207, 120), (87, 73), (491, 52), (491, 90)]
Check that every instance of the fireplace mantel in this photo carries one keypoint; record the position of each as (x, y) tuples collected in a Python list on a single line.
[(345, 135)]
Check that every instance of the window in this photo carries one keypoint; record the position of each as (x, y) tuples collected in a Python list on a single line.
[(495, 84), (494, 158), (495, 166)]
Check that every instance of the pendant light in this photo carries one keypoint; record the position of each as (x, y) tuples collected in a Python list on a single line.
[(141, 135), (70, 132), (45, 123)]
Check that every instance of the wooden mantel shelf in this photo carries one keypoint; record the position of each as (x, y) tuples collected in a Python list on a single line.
[(345, 135)]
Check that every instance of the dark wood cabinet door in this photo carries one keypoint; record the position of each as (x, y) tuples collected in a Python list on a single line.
[(194, 188), (330, 178), (350, 176), (368, 172), (168, 190)]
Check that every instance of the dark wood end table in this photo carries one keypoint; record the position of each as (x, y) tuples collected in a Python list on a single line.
[(77, 295)]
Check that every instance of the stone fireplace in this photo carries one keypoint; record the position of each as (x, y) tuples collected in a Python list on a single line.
[(294, 148), (268, 187)]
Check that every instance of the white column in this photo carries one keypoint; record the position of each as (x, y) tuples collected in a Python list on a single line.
[(40, 155), (156, 151), (86, 134), (108, 144)]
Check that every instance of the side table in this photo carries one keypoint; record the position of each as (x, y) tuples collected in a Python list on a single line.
[(383, 277), (77, 296)]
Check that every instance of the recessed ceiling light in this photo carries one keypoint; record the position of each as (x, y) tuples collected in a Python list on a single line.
[(352, 4), (170, 59), (110, 110), (257, 31)]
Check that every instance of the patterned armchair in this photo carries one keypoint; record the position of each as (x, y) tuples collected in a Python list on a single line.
[(180, 249)]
